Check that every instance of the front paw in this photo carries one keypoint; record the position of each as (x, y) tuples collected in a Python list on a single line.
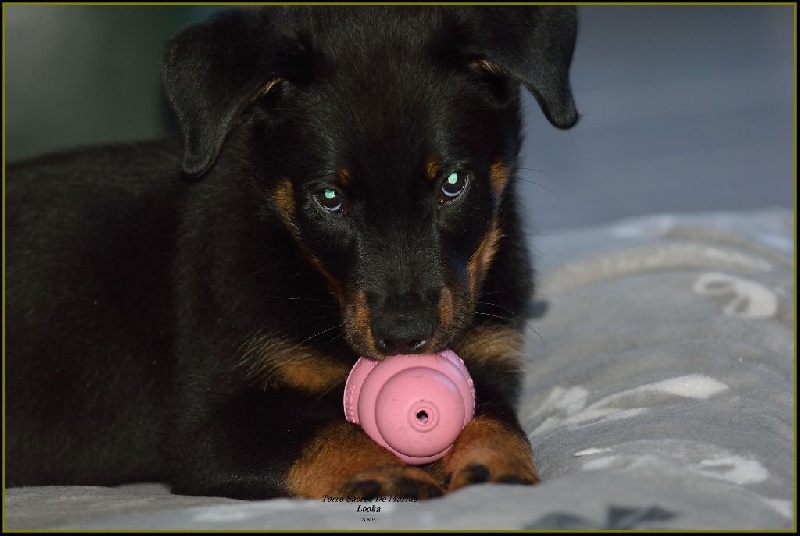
[(343, 461), (488, 451), (385, 481), (486, 466)]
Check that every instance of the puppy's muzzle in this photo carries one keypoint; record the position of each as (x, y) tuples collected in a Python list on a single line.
[(401, 333), (404, 324)]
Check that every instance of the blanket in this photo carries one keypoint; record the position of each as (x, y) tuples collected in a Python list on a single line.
[(658, 394)]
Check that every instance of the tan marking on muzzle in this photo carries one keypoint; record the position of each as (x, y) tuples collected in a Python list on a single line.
[(445, 307), (445, 317), (358, 322)]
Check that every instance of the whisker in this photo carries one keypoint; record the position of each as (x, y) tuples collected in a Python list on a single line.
[(324, 331), (525, 324), (540, 185), (537, 170), (499, 317), (306, 299), (264, 269), (336, 336), (509, 311)]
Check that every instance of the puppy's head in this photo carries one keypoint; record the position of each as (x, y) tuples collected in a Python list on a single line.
[(384, 139)]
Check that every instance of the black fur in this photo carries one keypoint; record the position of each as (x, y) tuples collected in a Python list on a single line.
[(139, 277)]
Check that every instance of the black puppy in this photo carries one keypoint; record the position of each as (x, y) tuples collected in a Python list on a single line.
[(346, 188)]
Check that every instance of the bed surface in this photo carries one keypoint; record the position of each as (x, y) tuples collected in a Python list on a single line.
[(659, 394)]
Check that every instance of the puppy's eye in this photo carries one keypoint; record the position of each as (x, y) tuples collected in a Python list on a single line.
[(330, 199), (453, 186)]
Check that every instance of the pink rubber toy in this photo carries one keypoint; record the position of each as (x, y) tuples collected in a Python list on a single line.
[(413, 405)]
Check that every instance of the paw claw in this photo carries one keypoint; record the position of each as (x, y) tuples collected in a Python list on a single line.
[(406, 482), (363, 489), (475, 473), (417, 489), (514, 479), (489, 468)]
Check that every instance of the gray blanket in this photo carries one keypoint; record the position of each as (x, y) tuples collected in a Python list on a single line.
[(659, 394)]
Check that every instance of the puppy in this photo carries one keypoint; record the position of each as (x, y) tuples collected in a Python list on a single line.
[(187, 311)]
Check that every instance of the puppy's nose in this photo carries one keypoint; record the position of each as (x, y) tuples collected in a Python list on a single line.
[(401, 334)]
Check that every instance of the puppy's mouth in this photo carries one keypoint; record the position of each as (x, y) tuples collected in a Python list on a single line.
[(380, 331)]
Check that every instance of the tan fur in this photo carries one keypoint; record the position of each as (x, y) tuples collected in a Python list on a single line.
[(266, 88), (274, 361), (492, 345), (481, 259), (358, 321), (344, 176), (488, 442), (445, 307), (338, 453), (490, 67), (432, 168), (283, 197), (498, 176)]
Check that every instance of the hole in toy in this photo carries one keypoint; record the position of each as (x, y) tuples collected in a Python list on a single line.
[(422, 416)]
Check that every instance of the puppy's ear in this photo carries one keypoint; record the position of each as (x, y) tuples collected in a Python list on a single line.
[(212, 71), (532, 44)]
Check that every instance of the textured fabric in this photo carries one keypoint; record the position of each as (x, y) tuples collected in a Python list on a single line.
[(659, 394)]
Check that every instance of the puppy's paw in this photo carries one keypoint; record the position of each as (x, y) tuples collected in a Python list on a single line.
[(405, 482), (487, 451), (489, 466)]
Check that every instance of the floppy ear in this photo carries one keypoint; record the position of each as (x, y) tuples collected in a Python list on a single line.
[(212, 71), (534, 45)]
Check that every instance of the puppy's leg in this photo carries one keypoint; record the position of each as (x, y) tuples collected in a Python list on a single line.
[(492, 447), (259, 445), (341, 460), (489, 449)]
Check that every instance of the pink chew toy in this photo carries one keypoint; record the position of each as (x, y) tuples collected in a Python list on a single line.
[(413, 405)]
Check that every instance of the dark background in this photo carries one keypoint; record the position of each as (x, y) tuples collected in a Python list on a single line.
[(684, 108)]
